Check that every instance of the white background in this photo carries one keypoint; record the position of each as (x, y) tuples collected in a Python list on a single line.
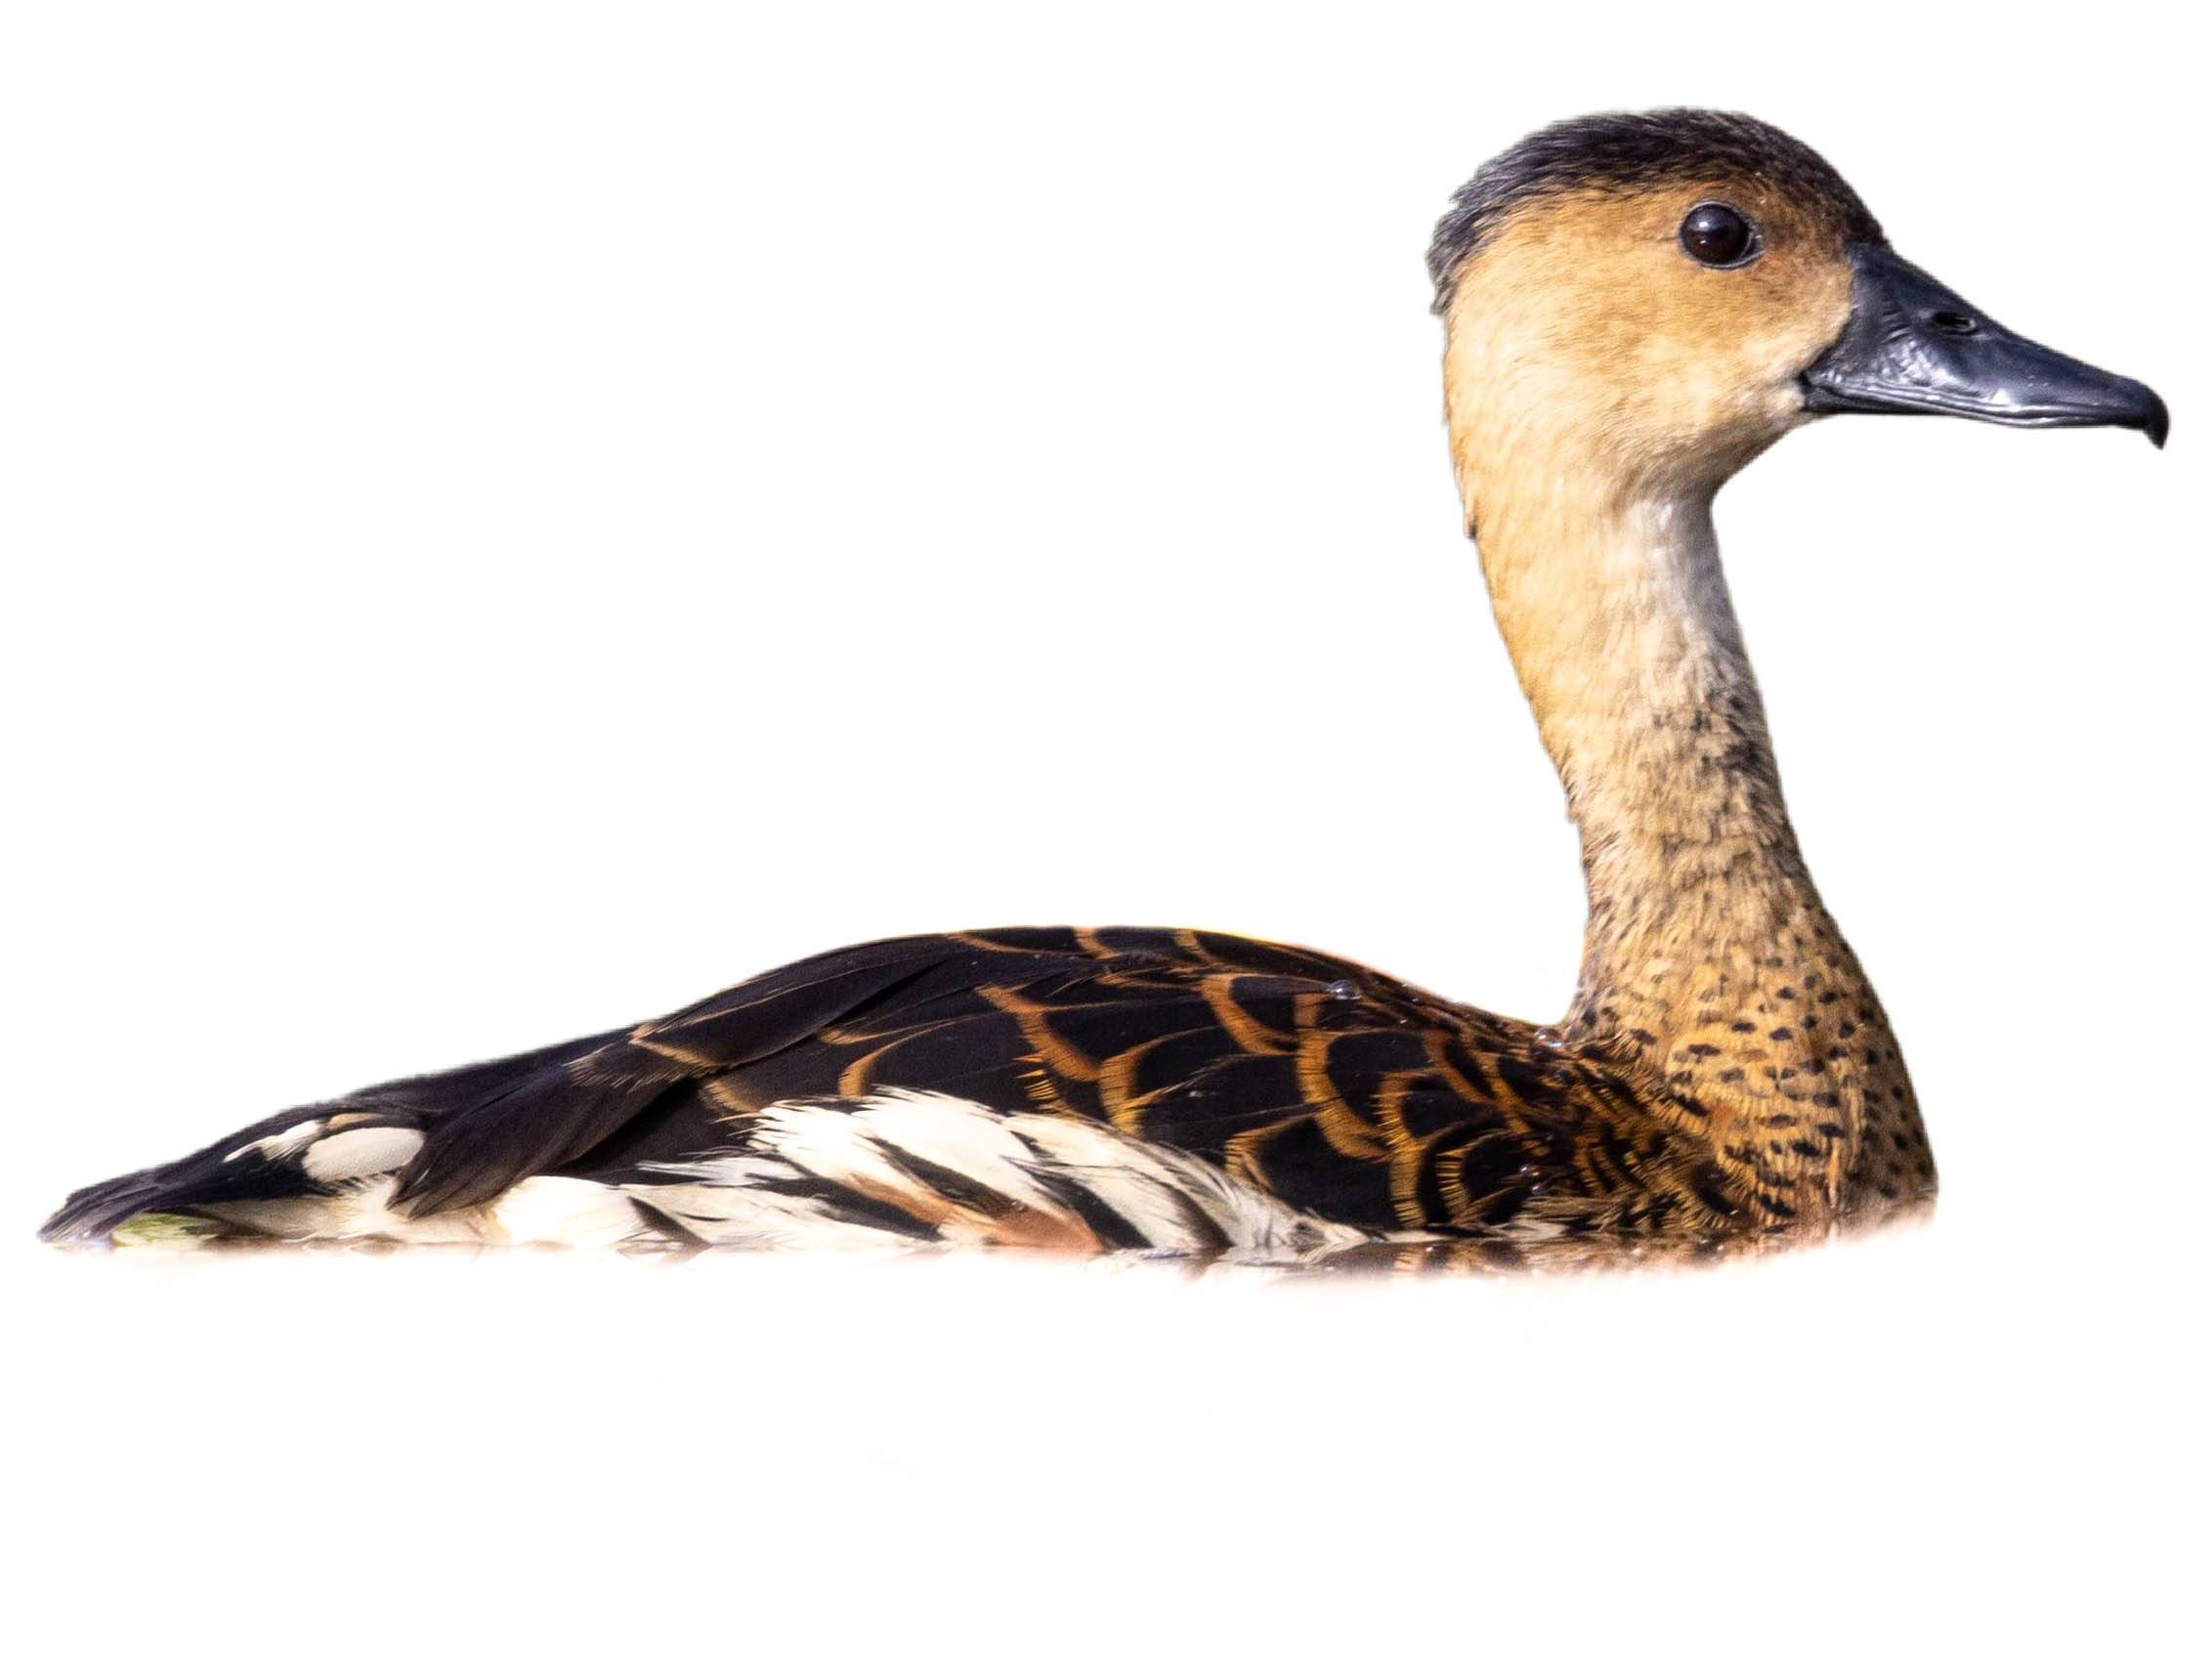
[(515, 517)]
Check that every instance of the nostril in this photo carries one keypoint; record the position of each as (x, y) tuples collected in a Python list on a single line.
[(1954, 322)]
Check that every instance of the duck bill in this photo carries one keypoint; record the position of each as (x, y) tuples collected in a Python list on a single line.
[(1913, 346)]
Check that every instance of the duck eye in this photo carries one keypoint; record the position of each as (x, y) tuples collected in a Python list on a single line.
[(1715, 234)]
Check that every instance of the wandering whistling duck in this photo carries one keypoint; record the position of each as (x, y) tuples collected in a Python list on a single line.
[(1634, 306)]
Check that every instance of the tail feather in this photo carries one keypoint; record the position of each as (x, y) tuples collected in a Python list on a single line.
[(308, 1152)]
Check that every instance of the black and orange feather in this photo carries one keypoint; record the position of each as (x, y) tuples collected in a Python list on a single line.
[(1342, 1092)]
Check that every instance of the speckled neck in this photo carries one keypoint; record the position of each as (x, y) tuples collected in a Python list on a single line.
[(1709, 956)]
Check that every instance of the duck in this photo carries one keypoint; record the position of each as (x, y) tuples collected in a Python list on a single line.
[(1635, 307)]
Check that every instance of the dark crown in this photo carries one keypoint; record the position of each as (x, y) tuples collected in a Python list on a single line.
[(1619, 152)]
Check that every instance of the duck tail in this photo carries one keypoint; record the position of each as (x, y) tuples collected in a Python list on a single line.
[(277, 1178), (311, 1172)]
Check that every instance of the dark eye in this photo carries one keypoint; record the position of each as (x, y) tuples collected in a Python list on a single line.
[(1715, 234)]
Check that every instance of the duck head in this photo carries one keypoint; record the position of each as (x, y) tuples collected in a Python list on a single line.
[(1660, 296)]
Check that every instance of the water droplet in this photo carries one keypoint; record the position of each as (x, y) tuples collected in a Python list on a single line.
[(1343, 990)]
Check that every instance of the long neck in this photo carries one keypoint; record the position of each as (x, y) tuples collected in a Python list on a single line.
[(1709, 956)]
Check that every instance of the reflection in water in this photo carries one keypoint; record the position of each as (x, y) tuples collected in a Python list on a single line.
[(1583, 1253), (1500, 1255)]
